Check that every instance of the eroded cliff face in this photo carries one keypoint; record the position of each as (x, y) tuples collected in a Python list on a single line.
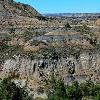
[(87, 65)]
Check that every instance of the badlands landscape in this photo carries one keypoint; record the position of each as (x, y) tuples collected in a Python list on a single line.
[(49, 56)]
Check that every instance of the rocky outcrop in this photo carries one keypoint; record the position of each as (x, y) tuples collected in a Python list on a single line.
[(86, 66)]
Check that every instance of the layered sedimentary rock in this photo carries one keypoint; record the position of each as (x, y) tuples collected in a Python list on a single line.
[(86, 66)]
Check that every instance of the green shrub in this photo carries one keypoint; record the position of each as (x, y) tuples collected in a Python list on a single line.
[(74, 92), (9, 91), (57, 90)]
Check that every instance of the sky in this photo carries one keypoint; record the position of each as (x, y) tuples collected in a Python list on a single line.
[(64, 6)]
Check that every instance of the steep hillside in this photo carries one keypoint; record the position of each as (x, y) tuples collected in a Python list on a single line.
[(16, 17), (10, 8)]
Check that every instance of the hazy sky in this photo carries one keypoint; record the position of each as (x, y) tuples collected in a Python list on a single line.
[(64, 6)]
